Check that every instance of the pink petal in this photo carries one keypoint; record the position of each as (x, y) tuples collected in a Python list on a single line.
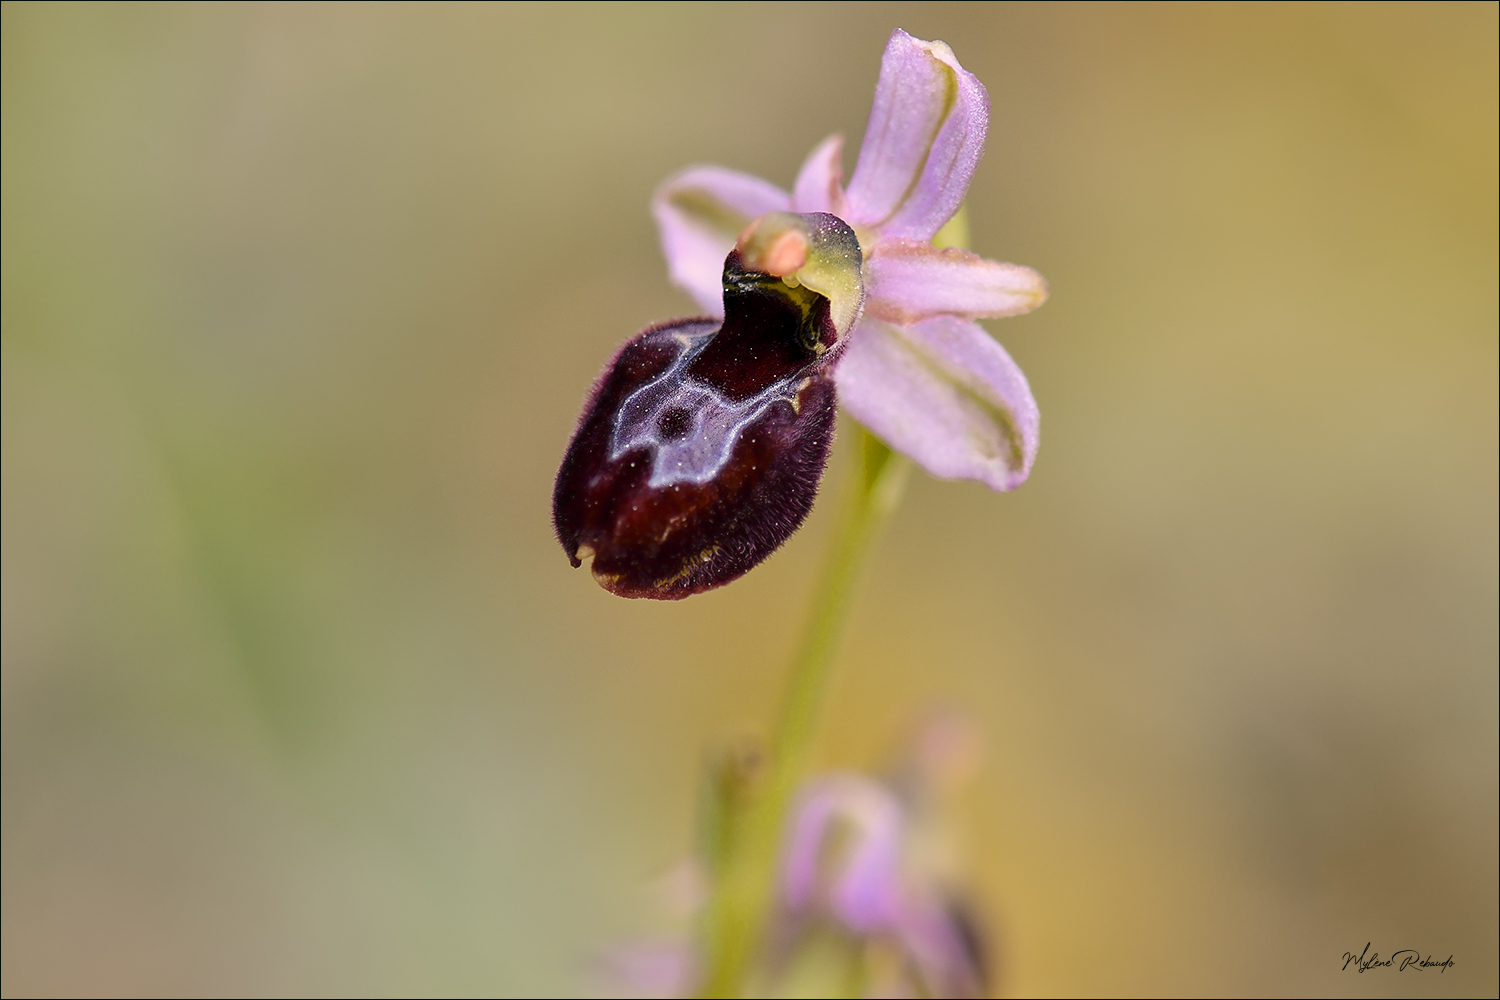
[(943, 392), (862, 879), (867, 895), (799, 865), (911, 281), (649, 968), (820, 183), (946, 956), (699, 212), (925, 137)]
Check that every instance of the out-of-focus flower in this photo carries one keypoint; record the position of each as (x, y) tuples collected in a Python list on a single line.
[(918, 371), (849, 861), (865, 899)]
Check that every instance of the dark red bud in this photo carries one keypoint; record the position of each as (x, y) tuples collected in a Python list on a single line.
[(702, 444)]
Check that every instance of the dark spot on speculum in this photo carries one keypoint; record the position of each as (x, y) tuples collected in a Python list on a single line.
[(675, 423), (691, 462)]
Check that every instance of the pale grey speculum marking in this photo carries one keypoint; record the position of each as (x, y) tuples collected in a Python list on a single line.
[(694, 441)]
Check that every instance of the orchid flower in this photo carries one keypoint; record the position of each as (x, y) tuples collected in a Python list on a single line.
[(848, 860), (918, 371), (703, 443), (858, 859)]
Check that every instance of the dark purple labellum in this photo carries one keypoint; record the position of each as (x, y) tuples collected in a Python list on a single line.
[(702, 445)]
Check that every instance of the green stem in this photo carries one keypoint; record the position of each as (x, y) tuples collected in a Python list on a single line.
[(878, 481), (744, 890)]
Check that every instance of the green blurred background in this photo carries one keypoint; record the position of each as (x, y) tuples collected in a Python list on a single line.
[(300, 305)]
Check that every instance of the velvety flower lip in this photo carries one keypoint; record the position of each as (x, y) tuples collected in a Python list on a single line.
[(703, 442), (918, 370)]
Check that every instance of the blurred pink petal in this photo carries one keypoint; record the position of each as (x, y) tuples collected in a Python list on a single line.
[(946, 394), (851, 856), (699, 212), (944, 946), (925, 137), (649, 969), (860, 885), (911, 281), (820, 182)]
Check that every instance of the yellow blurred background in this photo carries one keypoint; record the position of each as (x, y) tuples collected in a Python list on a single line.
[(299, 307)]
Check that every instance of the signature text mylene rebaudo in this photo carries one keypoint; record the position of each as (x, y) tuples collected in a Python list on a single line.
[(1407, 958)]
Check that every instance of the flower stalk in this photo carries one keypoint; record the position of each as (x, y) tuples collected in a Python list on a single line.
[(877, 482), (748, 818), (746, 885)]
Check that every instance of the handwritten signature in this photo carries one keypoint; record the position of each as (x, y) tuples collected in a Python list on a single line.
[(1407, 958)]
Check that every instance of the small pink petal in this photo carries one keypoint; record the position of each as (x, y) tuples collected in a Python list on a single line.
[(799, 864), (861, 882), (944, 393), (820, 183), (699, 212), (867, 895), (946, 956), (926, 134), (649, 968), (911, 281)]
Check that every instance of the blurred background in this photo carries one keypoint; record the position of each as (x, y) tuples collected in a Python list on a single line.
[(300, 305)]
